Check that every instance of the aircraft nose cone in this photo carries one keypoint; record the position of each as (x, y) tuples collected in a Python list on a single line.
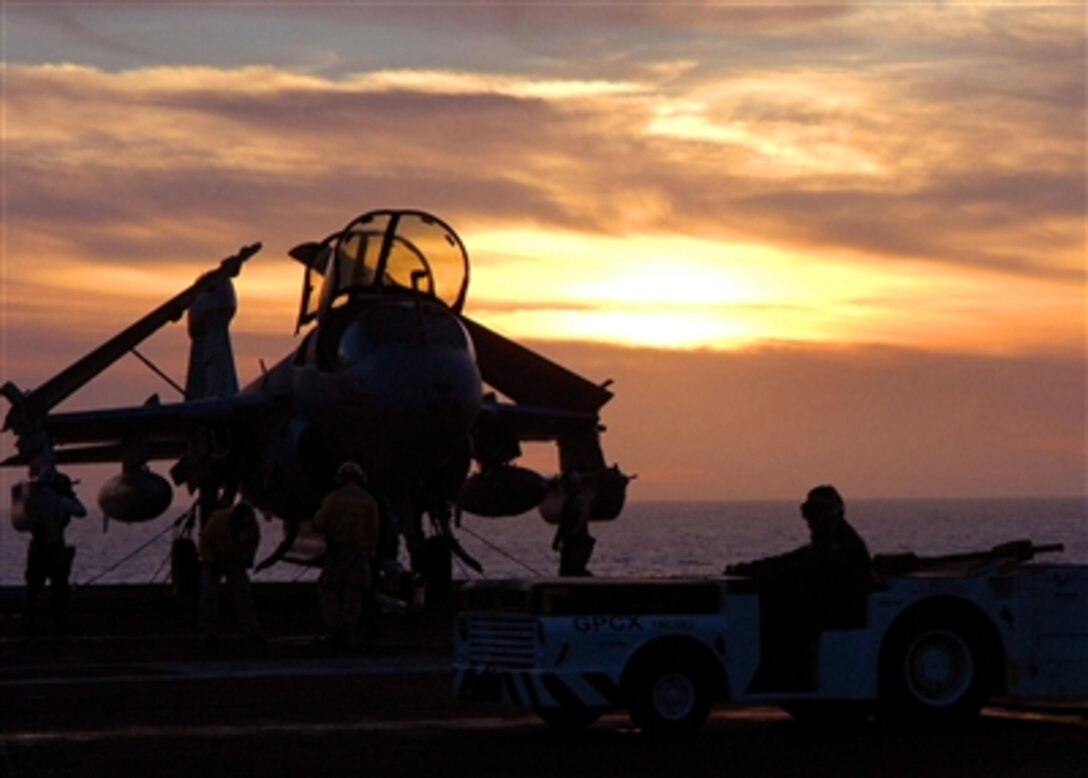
[(408, 391), (454, 392), (445, 401), (421, 392)]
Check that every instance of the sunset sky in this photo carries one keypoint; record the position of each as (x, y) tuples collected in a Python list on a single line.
[(809, 242)]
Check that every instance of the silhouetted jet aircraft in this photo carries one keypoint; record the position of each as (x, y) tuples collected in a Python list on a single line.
[(389, 373)]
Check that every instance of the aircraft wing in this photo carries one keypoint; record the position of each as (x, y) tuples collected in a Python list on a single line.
[(550, 403), (526, 377), (26, 409), (164, 430), (531, 422)]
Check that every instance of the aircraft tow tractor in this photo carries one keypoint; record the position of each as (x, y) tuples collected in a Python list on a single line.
[(941, 637)]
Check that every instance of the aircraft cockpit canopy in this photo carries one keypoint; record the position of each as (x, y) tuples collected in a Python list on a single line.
[(385, 252)]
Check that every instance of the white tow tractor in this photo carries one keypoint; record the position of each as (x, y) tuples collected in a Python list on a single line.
[(941, 637)]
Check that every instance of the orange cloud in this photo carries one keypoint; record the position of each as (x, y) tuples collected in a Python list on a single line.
[(772, 196)]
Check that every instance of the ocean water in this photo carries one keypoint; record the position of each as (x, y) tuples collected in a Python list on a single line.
[(649, 538)]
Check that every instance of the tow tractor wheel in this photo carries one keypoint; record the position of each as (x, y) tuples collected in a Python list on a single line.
[(669, 696), (935, 671)]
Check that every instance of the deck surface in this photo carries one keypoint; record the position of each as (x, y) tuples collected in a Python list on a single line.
[(135, 691)]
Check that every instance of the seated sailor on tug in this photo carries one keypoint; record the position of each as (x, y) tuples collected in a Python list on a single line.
[(821, 585)]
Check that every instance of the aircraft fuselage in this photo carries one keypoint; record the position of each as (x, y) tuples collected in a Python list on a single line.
[(391, 384)]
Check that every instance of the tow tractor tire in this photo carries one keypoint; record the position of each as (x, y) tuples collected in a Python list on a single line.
[(568, 719), (935, 669), (669, 695)]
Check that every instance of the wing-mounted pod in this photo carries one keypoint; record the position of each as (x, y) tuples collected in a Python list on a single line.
[(135, 496), (502, 490), (606, 486), (552, 403)]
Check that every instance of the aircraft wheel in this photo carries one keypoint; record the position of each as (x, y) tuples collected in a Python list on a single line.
[(934, 670), (568, 719), (669, 696)]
